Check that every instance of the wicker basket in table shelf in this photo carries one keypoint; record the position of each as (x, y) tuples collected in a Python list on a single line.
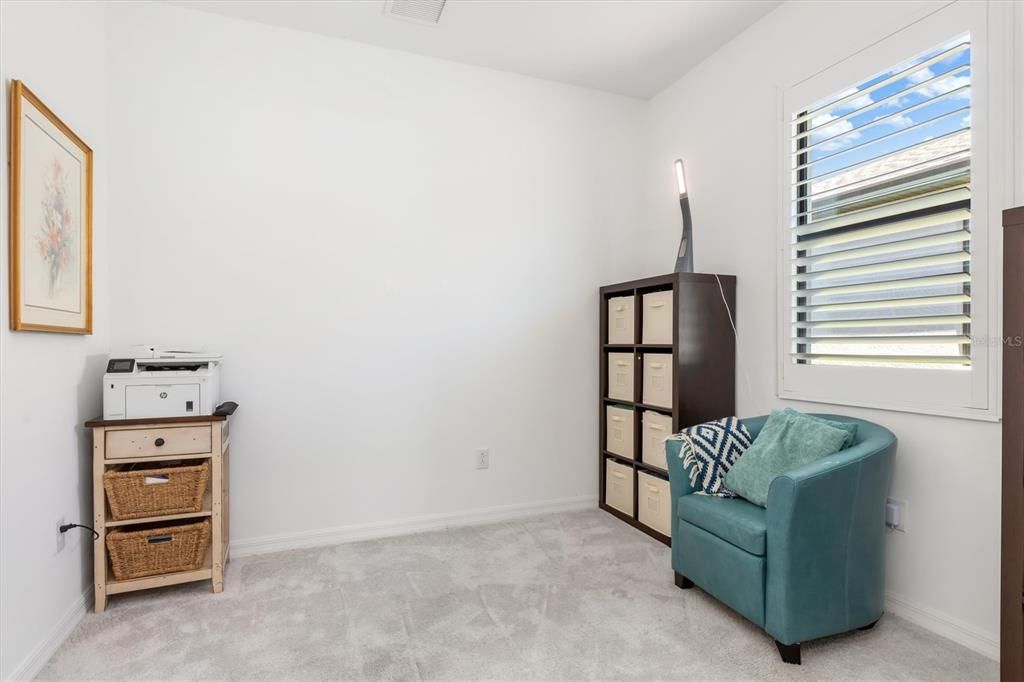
[(138, 493), (156, 551)]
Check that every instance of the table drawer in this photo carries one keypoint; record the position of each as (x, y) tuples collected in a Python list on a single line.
[(157, 442)]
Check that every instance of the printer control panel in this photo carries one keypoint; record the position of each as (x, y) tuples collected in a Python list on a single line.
[(121, 365)]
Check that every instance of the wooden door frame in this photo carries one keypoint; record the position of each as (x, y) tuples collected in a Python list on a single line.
[(1011, 629)]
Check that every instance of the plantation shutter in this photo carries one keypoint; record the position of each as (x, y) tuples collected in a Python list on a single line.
[(881, 218)]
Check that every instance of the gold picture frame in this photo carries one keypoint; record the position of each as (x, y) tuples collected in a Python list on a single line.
[(50, 231)]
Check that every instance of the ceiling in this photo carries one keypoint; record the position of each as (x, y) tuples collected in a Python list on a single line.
[(630, 47)]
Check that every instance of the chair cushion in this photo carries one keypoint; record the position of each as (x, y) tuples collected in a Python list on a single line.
[(787, 441), (736, 521)]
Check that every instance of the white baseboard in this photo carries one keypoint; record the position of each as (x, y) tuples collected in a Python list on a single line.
[(32, 664), (417, 524), (972, 637)]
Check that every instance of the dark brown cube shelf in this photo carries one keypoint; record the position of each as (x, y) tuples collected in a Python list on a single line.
[(701, 358)]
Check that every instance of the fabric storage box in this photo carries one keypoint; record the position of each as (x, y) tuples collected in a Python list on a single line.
[(654, 504), (657, 317), (619, 431), (620, 320), (658, 379), (656, 428), (140, 491), (156, 551), (618, 487), (620, 376)]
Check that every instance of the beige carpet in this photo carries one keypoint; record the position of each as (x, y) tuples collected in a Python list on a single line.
[(570, 596)]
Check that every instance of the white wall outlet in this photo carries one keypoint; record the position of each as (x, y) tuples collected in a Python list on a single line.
[(896, 514), (61, 538), (483, 458)]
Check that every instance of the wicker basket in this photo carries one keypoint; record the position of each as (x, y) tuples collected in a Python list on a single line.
[(136, 493), (156, 551)]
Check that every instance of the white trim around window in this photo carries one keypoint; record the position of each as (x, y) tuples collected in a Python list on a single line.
[(968, 393)]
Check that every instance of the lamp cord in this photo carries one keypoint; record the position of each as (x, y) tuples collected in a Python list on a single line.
[(732, 323)]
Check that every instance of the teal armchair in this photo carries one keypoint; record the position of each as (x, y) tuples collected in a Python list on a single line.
[(810, 565)]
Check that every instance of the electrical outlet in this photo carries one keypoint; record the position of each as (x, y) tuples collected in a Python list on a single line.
[(483, 458), (61, 539), (896, 514)]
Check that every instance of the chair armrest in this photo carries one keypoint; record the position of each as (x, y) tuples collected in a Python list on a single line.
[(679, 484), (678, 479), (826, 542)]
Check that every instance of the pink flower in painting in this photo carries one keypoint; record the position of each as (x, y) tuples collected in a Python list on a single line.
[(55, 238)]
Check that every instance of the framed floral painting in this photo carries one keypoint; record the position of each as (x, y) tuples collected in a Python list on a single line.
[(50, 220)]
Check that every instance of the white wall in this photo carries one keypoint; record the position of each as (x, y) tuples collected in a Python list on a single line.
[(398, 256), (721, 118), (50, 381)]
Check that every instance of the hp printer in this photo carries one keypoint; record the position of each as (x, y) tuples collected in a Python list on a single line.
[(152, 381)]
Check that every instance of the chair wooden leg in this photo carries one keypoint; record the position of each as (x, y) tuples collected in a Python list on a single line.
[(682, 582), (790, 652)]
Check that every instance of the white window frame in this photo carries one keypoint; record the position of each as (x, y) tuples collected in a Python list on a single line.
[(974, 393)]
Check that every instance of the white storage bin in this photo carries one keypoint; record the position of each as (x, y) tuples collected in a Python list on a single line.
[(654, 507), (657, 317), (658, 379), (618, 486), (620, 376), (656, 428), (620, 320), (619, 431)]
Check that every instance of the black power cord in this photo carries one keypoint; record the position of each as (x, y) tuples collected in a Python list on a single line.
[(68, 526)]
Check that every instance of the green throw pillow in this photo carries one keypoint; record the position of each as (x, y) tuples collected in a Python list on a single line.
[(849, 427), (788, 440)]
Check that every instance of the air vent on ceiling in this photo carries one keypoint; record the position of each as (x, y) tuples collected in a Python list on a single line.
[(420, 11)]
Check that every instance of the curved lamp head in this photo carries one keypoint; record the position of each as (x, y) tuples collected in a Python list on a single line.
[(681, 177)]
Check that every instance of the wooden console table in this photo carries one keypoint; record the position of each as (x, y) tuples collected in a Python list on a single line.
[(125, 441)]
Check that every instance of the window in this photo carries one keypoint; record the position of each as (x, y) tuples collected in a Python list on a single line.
[(893, 164), (881, 208)]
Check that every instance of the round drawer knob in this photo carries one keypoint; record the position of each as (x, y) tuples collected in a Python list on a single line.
[(158, 442)]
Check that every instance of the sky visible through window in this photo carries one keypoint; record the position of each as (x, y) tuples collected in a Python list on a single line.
[(943, 98)]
